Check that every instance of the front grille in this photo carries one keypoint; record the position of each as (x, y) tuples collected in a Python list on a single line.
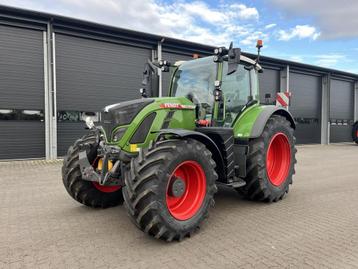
[(143, 129)]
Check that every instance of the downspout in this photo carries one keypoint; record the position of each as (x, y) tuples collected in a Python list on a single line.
[(160, 73)]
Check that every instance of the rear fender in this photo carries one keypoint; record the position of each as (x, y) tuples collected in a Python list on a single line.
[(253, 120)]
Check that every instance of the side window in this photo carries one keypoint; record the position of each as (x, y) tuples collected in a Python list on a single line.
[(236, 89)]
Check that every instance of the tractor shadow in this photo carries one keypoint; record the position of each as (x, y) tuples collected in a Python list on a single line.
[(227, 197), (227, 194), (115, 222)]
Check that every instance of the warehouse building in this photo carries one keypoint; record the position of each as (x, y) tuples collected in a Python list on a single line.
[(54, 70)]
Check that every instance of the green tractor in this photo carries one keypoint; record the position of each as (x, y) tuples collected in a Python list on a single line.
[(164, 157)]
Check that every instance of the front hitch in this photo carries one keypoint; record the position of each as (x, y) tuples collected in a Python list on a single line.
[(107, 153)]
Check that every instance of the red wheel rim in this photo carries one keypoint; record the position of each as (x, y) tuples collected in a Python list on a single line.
[(106, 189), (188, 204), (278, 159)]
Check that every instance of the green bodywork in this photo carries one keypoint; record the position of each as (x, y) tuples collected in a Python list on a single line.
[(182, 118), (242, 127)]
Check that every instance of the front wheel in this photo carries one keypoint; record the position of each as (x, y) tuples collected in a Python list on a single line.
[(270, 162), (170, 187)]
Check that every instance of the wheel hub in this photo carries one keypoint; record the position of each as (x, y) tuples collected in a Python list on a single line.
[(178, 187)]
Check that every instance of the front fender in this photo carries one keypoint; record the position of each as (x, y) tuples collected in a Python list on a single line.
[(203, 138)]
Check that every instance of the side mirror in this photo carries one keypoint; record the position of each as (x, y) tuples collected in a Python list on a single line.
[(233, 60), (146, 74), (150, 80)]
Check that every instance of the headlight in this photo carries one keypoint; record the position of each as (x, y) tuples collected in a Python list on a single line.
[(118, 134), (89, 123)]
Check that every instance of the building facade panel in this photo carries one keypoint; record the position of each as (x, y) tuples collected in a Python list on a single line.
[(90, 75), (22, 131), (341, 110), (305, 106)]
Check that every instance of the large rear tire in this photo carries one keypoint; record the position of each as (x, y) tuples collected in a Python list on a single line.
[(85, 192), (170, 187), (271, 162), (355, 132)]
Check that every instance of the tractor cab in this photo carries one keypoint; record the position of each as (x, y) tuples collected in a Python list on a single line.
[(196, 80)]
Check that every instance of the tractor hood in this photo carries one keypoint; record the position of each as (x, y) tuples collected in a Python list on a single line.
[(122, 113), (133, 124)]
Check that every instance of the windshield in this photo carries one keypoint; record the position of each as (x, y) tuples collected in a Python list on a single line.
[(195, 80)]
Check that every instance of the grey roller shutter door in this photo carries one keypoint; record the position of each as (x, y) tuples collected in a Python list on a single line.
[(306, 107), (21, 88), (269, 82), (341, 111), (92, 74), (172, 58)]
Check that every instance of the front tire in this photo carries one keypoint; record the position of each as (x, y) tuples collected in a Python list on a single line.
[(270, 162), (170, 187), (85, 192)]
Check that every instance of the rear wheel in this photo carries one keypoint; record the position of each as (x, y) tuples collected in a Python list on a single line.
[(170, 187), (355, 132), (88, 193), (271, 161)]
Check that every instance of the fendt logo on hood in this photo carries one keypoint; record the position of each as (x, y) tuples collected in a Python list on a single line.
[(176, 106)]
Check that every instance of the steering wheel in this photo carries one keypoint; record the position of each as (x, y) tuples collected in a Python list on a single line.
[(232, 106), (200, 110)]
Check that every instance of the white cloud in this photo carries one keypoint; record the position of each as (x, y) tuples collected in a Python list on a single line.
[(329, 60), (243, 12), (200, 9), (251, 40), (300, 32), (196, 21), (335, 18), (269, 26), (335, 60)]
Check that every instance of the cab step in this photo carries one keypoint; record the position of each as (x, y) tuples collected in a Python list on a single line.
[(238, 183)]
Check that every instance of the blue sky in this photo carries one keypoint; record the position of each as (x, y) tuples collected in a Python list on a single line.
[(323, 33)]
